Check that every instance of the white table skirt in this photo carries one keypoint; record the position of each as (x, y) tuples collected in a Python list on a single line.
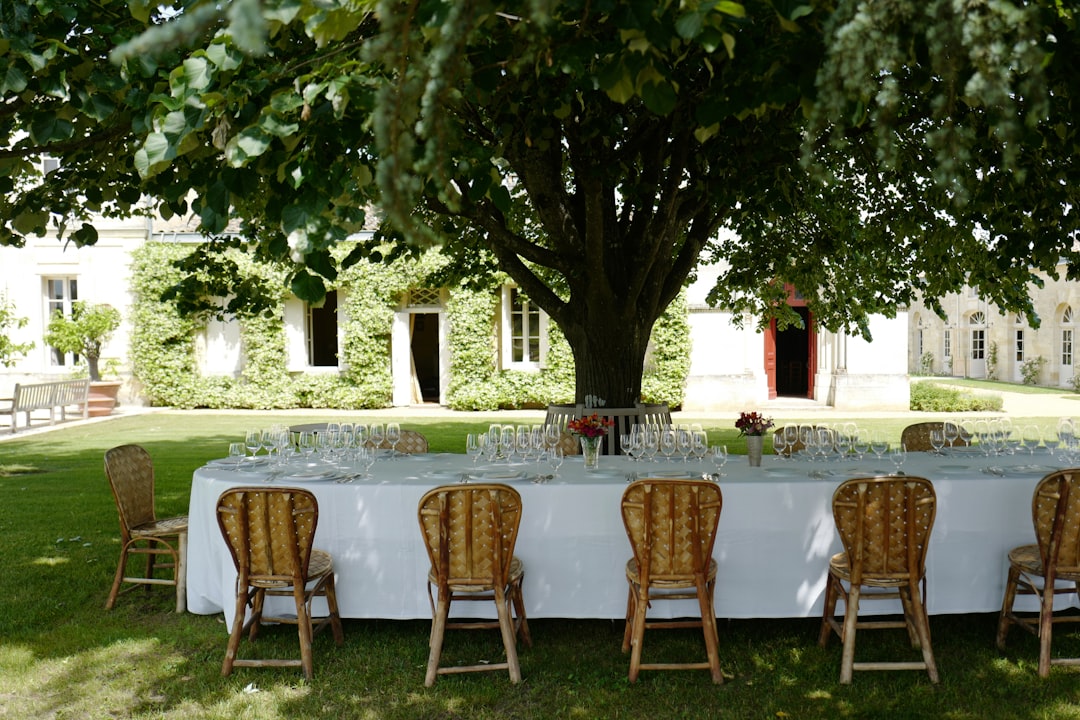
[(775, 538)]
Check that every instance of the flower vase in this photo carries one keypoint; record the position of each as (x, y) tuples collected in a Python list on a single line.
[(754, 445), (590, 451)]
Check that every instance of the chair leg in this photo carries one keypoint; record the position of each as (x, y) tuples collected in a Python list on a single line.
[(910, 617), (629, 629), (509, 636), (1004, 621), (335, 617), (237, 631), (828, 611), (921, 622), (257, 602), (180, 572), (303, 630), (851, 616), (1046, 625), (519, 609), (438, 629), (708, 628), (641, 606), (118, 579)]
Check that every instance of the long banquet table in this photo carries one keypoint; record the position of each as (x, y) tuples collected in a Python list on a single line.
[(775, 537)]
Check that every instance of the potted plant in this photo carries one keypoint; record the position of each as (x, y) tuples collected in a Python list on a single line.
[(84, 332)]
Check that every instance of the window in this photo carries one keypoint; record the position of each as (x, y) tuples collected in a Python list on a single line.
[(60, 293), (1067, 337), (978, 336), (321, 332), (919, 342), (48, 164), (524, 328), (1019, 346), (948, 343)]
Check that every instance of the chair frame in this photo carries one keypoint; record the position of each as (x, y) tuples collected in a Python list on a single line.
[(288, 562), (881, 562), (916, 437), (472, 558), (671, 565), (130, 472), (1035, 569), (622, 419)]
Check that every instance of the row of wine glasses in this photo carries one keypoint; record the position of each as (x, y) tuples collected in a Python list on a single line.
[(647, 441)]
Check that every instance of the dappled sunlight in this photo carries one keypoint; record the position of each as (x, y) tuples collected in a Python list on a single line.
[(50, 561)]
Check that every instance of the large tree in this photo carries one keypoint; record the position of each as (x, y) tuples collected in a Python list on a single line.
[(593, 150)]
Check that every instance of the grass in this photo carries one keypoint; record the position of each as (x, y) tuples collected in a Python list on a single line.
[(63, 656), (996, 385)]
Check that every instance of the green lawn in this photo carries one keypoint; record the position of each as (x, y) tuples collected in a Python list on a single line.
[(63, 656)]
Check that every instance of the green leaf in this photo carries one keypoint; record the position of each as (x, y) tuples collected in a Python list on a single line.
[(307, 287), (47, 128), (14, 81), (155, 153), (689, 25), (659, 97)]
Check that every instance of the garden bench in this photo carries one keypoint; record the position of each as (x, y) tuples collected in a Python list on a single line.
[(52, 396)]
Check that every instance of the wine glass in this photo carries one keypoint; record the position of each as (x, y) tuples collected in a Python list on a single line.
[(937, 440), (393, 436), (253, 442), (684, 443), (898, 455), (1032, 437), (306, 444), (555, 459), (860, 444), (365, 457), (879, 445), (719, 456), (626, 443), (237, 452), (375, 432), (668, 444), (474, 446), (951, 433)]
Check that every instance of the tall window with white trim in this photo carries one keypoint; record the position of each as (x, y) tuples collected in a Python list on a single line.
[(524, 329), (978, 336), (1067, 337), (60, 293), (321, 332)]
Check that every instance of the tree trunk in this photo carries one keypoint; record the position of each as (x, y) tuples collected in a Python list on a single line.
[(609, 357), (92, 367)]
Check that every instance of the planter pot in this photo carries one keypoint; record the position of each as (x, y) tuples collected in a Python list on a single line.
[(102, 398), (754, 445)]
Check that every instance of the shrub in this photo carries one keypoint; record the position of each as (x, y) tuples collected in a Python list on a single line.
[(930, 397), (1031, 369)]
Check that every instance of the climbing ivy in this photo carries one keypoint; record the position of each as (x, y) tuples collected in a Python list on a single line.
[(165, 359)]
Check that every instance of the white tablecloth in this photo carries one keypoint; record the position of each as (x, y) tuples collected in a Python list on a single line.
[(775, 538)]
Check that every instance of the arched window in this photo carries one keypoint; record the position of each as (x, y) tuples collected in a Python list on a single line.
[(977, 321), (1067, 336)]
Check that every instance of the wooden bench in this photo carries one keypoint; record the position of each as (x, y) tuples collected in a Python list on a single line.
[(52, 396)]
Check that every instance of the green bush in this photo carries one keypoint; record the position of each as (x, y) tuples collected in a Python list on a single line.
[(930, 397)]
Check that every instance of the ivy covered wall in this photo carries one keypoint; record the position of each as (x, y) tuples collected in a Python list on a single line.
[(165, 362)]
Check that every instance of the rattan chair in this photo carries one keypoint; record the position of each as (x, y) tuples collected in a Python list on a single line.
[(131, 477), (269, 532), (1035, 569), (671, 525), (410, 443), (570, 443), (916, 438), (470, 532), (884, 524)]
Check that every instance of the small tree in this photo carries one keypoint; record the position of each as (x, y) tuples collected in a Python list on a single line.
[(84, 332), (10, 351)]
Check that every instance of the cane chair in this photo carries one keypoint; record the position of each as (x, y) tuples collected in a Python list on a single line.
[(470, 532), (671, 525), (269, 532), (1035, 569), (884, 524), (410, 443), (798, 446), (570, 443), (131, 478), (916, 437)]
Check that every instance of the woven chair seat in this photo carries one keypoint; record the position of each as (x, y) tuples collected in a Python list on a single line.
[(841, 566), (633, 576), (163, 526), (320, 564), (514, 575), (1027, 558)]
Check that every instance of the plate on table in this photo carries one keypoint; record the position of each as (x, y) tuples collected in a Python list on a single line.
[(310, 475), (953, 469), (230, 463), (782, 472), (497, 475), (1028, 470)]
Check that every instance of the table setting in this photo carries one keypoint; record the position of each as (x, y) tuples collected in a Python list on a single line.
[(776, 515)]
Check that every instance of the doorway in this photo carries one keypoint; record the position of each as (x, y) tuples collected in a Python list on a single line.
[(424, 347), (793, 374)]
